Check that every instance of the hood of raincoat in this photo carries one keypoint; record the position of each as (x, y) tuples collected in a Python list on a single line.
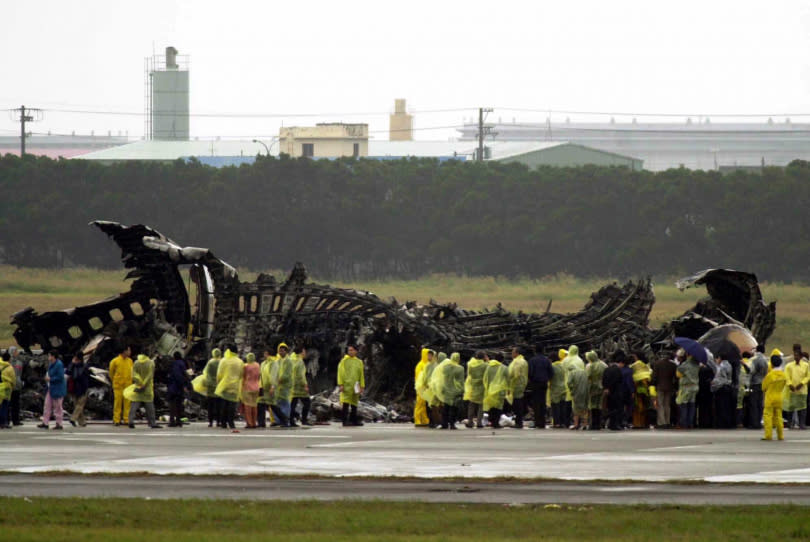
[(250, 358), (562, 353), (455, 357), (573, 350), (424, 358), (776, 352), (442, 357), (142, 358), (592, 357), (216, 353)]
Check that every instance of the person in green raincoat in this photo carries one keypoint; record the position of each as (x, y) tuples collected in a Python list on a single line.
[(206, 385), (577, 387), (351, 382), (423, 389), (474, 389), (496, 384), (518, 380), (447, 384), (142, 390), (300, 391), (281, 386), (229, 383), (594, 371), (688, 383), (265, 396), (557, 392)]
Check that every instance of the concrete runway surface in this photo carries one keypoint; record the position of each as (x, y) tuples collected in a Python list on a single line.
[(402, 451)]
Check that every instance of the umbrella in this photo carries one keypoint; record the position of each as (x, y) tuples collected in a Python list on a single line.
[(693, 348)]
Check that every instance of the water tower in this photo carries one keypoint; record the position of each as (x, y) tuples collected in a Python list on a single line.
[(167, 87)]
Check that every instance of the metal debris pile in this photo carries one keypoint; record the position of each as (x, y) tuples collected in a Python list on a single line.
[(161, 315)]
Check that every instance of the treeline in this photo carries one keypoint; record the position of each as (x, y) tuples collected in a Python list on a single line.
[(354, 219)]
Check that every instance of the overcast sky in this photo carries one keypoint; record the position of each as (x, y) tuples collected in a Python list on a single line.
[(280, 59)]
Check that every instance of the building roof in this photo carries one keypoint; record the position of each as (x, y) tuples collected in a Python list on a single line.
[(172, 150)]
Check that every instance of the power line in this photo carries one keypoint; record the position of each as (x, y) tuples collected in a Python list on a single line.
[(647, 114)]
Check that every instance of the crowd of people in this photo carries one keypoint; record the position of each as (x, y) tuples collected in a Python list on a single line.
[(676, 390)]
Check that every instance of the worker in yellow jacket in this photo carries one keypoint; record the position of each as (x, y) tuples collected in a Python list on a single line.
[(772, 386), (121, 377), (420, 415)]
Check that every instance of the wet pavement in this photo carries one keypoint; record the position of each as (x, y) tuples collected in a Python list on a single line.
[(400, 450)]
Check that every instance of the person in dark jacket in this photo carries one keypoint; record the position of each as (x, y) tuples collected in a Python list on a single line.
[(613, 390), (628, 390), (79, 382), (705, 398), (178, 384), (664, 380), (539, 375), (57, 388)]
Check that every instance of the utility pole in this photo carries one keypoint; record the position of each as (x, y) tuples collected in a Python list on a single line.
[(482, 130), (23, 119)]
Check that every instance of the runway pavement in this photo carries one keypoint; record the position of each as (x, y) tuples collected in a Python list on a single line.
[(402, 451)]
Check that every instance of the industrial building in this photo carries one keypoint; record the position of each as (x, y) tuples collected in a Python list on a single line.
[(55, 146), (224, 153), (167, 96), (324, 140), (693, 144)]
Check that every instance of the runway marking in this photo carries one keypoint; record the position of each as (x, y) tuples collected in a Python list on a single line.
[(664, 448)]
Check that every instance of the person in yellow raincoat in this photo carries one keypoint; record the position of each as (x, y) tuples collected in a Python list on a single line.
[(281, 377), (206, 385), (447, 384), (420, 415), (300, 388), (265, 400), (772, 386), (577, 388), (794, 395), (142, 390), (474, 389), (423, 388), (642, 375), (229, 382), (557, 391), (120, 371), (496, 384), (351, 382), (567, 407), (518, 380), (8, 379)]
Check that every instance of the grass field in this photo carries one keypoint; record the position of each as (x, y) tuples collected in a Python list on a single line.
[(59, 289), (134, 520)]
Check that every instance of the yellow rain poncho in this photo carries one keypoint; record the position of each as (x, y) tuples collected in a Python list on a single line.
[(267, 370), (556, 388), (518, 378), (594, 371), (8, 378), (570, 362), (143, 381), (423, 382), (496, 384), (578, 388), (283, 379), (797, 374), (229, 377), (688, 382), (350, 374), (206, 383), (420, 416), (299, 376), (474, 384), (447, 380)]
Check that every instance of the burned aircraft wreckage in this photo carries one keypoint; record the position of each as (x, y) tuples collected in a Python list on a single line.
[(160, 315)]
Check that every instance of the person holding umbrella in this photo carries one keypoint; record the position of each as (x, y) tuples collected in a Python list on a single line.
[(687, 374)]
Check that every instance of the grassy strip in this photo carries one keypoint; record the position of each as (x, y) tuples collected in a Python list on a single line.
[(138, 520), (65, 288)]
